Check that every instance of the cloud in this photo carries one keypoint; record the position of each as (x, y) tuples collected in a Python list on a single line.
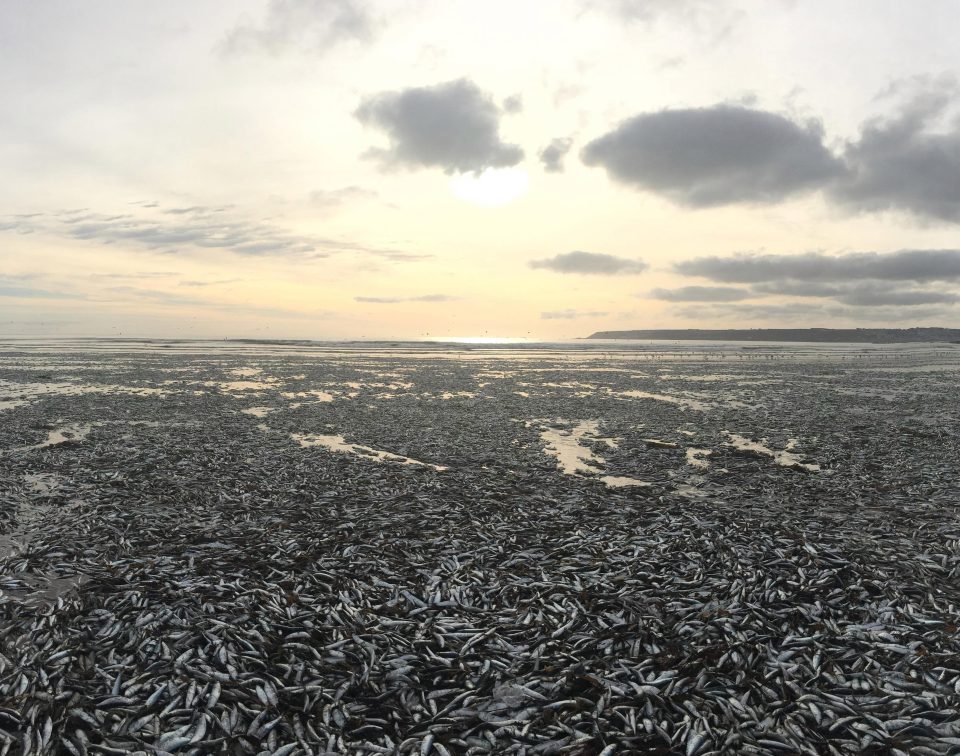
[(717, 17), (330, 198), (553, 154), (209, 283), (161, 298), (398, 300), (701, 294), (453, 126), (800, 314), (590, 263), (728, 154), (648, 10), (874, 295), (194, 228), (23, 292), (920, 265), (809, 314), (433, 298), (315, 25), (152, 295), (793, 288), (866, 294), (903, 163), (138, 274), (725, 154), (670, 63), (908, 278), (571, 314), (513, 104)]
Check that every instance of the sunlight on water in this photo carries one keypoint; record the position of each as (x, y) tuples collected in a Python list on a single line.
[(477, 339)]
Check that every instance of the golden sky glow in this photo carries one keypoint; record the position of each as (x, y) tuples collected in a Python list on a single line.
[(355, 168)]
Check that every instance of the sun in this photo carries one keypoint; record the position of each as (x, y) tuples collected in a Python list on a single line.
[(493, 187)]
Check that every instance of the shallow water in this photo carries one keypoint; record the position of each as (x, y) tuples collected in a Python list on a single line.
[(68, 433), (338, 444), (573, 457), (684, 402), (784, 457), (695, 457)]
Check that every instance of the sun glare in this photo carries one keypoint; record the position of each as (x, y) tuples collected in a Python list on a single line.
[(478, 339), (492, 187)]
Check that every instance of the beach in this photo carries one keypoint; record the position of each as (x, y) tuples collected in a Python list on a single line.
[(299, 548)]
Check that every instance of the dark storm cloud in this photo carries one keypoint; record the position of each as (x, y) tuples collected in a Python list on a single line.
[(553, 154), (590, 263), (572, 314), (454, 126), (920, 265), (398, 300), (196, 228), (701, 294), (904, 163), (315, 25), (725, 154)]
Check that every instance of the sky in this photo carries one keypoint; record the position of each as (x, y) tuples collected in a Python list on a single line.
[(340, 169)]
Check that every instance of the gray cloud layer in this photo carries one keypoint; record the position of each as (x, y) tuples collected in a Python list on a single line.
[(701, 294), (454, 126), (902, 164), (398, 300), (806, 314), (176, 229), (315, 25), (908, 278), (876, 295), (553, 154), (592, 263), (906, 265), (700, 157), (726, 154)]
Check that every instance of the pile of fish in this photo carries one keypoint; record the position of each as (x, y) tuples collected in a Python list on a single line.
[(186, 577)]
